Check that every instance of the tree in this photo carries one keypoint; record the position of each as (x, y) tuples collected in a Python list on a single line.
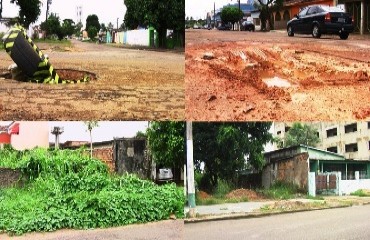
[(224, 147), (266, 12), (140, 134), (92, 21), (78, 28), (110, 26), (92, 32), (29, 11), (90, 126), (300, 134), (166, 143), (103, 27), (160, 14), (231, 14), (68, 27), (52, 26)]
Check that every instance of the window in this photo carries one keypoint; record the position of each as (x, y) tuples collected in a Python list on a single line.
[(312, 10), (350, 128), (351, 147), (332, 149), (303, 12), (278, 132), (331, 132)]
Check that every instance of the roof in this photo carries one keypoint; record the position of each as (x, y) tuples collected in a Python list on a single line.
[(314, 154)]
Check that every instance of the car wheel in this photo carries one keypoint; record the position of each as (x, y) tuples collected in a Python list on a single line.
[(343, 36), (290, 31), (316, 31)]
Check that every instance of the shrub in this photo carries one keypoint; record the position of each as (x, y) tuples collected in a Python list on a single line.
[(281, 190), (67, 189)]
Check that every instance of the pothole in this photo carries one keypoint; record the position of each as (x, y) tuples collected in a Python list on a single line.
[(276, 82), (64, 74)]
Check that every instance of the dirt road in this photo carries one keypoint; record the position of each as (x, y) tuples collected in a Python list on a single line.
[(131, 85), (270, 76), (164, 230)]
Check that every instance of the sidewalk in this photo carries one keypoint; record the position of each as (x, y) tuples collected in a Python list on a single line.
[(253, 209)]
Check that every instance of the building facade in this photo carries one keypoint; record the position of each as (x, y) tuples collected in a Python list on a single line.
[(350, 139)]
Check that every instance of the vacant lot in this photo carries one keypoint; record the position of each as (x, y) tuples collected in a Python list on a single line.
[(269, 76), (131, 85)]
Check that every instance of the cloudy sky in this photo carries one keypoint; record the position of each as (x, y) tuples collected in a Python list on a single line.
[(107, 11), (199, 8), (107, 130)]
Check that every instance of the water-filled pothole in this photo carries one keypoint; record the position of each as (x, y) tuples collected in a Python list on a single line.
[(276, 82), (65, 74)]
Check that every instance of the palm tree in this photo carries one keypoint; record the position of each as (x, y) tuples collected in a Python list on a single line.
[(90, 126)]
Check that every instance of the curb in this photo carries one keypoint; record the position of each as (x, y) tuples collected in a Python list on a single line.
[(210, 218)]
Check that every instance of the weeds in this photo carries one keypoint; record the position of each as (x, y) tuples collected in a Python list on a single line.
[(361, 193), (67, 189), (281, 190)]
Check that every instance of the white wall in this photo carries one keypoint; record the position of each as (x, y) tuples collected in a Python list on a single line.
[(138, 37), (31, 134), (347, 187)]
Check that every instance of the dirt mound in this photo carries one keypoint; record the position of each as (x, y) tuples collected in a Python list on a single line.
[(244, 193), (203, 195)]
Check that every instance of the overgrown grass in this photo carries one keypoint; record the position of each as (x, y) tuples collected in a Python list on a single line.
[(64, 42), (280, 190), (67, 189), (361, 193), (219, 200)]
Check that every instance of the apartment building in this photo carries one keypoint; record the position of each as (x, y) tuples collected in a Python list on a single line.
[(351, 139)]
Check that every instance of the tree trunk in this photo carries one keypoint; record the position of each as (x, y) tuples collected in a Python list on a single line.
[(162, 37)]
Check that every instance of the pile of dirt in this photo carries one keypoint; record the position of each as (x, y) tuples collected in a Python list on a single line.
[(203, 195), (244, 193)]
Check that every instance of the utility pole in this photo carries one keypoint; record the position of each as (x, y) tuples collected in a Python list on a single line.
[(1, 8), (57, 131), (214, 14), (117, 24), (190, 168)]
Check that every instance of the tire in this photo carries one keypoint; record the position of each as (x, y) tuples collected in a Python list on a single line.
[(290, 31), (316, 33), (344, 36)]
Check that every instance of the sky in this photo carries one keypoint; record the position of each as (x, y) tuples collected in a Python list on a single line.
[(107, 130), (107, 11), (199, 8)]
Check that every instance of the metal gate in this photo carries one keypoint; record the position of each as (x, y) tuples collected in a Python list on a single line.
[(327, 183)]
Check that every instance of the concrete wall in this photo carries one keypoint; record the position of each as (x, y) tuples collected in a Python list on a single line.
[(9, 177), (347, 187), (137, 37), (31, 134), (294, 170)]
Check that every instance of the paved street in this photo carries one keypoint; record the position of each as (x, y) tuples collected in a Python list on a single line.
[(164, 230), (340, 223), (232, 75), (131, 84)]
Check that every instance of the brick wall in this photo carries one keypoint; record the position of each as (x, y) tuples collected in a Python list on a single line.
[(105, 154)]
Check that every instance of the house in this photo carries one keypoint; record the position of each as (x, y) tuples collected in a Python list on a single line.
[(295, 164), (25, 135), (359, 9)]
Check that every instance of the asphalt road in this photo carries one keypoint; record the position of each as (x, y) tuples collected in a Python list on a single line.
[(164, 230), (341, 223)]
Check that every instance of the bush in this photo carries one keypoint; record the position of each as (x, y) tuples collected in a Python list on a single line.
[(281, 190), (223, 187), (67, 189)]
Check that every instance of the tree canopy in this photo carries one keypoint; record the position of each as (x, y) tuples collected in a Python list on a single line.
[(160, 14), (68, 27), (300, 134), (266, 12), (29, 11), (231, 14), (222, 147), (92, 21)]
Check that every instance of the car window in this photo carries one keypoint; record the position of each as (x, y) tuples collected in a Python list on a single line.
[(312, 10), (303, 12)]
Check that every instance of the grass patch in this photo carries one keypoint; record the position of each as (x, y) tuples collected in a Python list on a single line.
[(281, 190), (314, 198), (67, 189), (361, 193), (61, 43), (219, 200)]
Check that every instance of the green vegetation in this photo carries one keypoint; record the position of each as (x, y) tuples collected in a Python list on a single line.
[(281, 190), (67, 189), (63, 43), (231, 14), (29, 11), (299, 134), (219, 200), (361, 193)]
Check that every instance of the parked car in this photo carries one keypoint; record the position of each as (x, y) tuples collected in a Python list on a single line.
[(248, 26), (317, 20), (225, 27)]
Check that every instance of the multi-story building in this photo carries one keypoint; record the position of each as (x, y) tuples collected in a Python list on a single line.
[(351, 139)]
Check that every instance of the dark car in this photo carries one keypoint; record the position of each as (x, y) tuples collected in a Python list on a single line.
[(225, 27), (248, 26), (317, 20)]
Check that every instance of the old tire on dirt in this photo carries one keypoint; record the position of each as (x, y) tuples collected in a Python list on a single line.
[(344, 36), (290, 31), (316, 33)]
